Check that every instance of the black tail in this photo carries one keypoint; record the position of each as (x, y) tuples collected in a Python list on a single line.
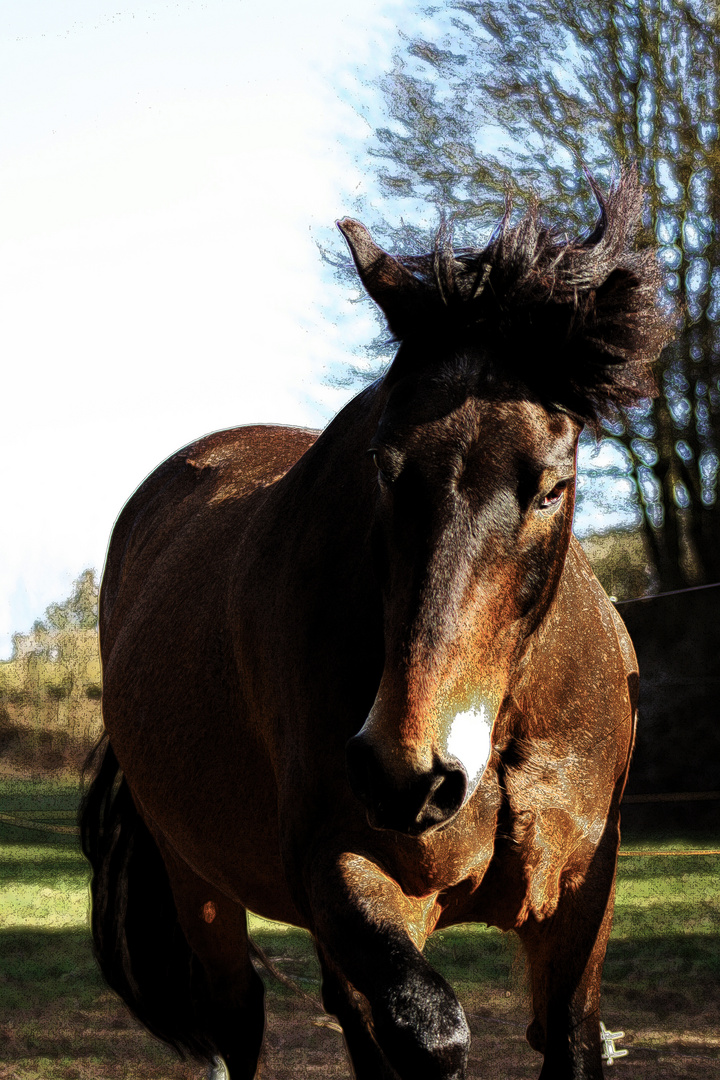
[(137, 940)]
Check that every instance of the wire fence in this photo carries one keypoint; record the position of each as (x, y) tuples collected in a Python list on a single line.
[(23, 821)]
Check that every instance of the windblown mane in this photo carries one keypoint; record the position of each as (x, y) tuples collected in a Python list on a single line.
[(578, 321)]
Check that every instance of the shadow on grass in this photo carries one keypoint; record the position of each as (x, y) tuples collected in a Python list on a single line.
[(46, 966), (667, 976), (41, 870), (61, 794), (31, 857), (58, 1020)]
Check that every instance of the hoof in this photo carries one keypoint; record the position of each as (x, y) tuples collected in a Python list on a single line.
[(218, 1070)]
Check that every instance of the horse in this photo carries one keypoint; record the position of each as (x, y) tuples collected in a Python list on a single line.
[(365, 682)]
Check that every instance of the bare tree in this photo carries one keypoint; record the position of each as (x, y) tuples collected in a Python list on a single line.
[(515, 99)]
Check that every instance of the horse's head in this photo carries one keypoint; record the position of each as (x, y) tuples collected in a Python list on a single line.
[(504, 355)]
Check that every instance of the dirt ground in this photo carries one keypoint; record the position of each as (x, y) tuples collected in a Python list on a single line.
[(102, 1042)]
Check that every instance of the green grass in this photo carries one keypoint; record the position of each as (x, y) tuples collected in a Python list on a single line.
[(44, 874), (58, 1021)]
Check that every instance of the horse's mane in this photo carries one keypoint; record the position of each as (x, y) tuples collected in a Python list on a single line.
[(578, 320)]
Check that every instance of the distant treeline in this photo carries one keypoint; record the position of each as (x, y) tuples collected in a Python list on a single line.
[(50, 688)]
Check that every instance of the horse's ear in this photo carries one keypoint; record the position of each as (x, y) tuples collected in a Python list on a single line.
[(387, 281)]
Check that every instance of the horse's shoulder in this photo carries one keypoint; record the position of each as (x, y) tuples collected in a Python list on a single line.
[(599, 610), (579, 678)]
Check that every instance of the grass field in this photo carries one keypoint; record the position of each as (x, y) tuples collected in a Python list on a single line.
[(59, 1022)]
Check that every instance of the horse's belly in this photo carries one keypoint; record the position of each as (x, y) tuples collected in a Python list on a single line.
[(233, 845)]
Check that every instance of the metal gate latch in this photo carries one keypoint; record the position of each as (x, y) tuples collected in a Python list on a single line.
[(609, 1038)]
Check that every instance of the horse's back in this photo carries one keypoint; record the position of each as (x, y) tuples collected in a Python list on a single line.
[(195, 490)]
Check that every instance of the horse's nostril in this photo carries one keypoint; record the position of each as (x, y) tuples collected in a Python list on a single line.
[(449, 795), (414, 801)]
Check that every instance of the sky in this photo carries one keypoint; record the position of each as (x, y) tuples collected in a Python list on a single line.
[(167, 174), (167, 171)]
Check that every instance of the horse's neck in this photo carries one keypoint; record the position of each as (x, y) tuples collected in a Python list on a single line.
[(332, 484), (576, 645), (311, 561)]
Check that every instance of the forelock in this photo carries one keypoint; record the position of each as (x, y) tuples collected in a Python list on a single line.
[(577, 320)]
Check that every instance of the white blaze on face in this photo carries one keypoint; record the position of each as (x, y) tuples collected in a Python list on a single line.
[(469, 741)]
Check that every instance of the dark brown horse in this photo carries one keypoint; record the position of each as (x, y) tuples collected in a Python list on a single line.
[(366, 683)]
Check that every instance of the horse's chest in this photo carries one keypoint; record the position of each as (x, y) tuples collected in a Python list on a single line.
[(550, 824), (454, 858)]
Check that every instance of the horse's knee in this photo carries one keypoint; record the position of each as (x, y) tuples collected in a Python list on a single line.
[(422, 1028), (410, 1016)]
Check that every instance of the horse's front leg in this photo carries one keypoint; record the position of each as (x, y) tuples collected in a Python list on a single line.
[(369, 930), (353, 1012), (566, 954)]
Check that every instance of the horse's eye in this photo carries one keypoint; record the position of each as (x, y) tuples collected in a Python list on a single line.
[(378, 463), (553, 497)]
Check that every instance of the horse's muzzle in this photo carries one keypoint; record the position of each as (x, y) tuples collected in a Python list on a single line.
[(412, 803)]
